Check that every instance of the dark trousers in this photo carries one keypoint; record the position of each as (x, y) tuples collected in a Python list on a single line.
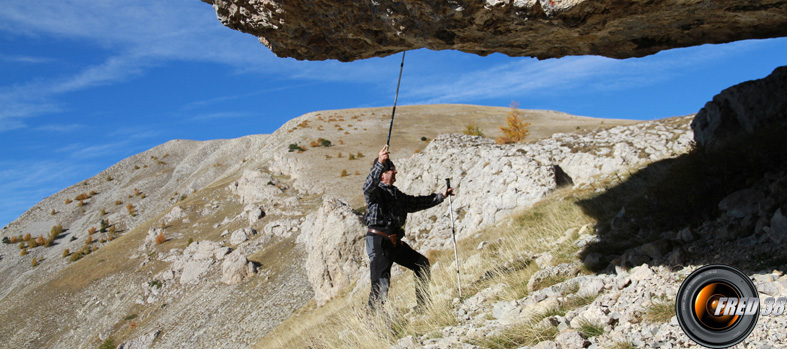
[(382, 255)]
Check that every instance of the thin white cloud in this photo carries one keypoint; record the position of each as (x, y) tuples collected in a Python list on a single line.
[(24, 59), (529, 77), (60, 128), (219, 115)]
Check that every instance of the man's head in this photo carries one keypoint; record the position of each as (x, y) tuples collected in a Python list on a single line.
[(388, 175)]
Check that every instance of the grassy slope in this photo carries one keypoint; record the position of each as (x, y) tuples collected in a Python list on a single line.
[(343, 322)]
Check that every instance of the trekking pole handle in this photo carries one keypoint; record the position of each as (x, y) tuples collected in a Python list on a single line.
[(448, 182)]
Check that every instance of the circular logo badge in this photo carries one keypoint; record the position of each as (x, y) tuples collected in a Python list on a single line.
[(717, 306)]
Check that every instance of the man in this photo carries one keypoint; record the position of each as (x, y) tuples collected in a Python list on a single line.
[(386, 213)]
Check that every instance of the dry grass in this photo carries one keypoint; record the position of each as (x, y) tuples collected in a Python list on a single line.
[(345, 323), (660, 311)]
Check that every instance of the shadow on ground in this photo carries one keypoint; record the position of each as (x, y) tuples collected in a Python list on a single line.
[(704, 207)]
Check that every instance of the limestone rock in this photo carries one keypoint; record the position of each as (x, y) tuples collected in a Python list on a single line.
[(242, 235), (332, 29), (255, 186), (742, 203), (743, 109), (236, 268), (333, 237), (563, 270), (174, 214)]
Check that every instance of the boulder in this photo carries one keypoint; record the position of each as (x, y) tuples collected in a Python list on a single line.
[(565, 270), (255, 186), (236, 268), (242, 235), (743, 110), (174, 214), (333, 29), (742, 203), (333, 237)]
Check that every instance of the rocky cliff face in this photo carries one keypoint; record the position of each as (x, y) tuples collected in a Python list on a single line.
[(329, 29), (744, 110)]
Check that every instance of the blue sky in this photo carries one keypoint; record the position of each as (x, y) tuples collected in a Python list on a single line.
[(85, 84)]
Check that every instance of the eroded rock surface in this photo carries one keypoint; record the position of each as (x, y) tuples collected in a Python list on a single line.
[(330, 29), (743, 110)]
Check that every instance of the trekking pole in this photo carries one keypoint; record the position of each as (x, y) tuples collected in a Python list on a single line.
[(453, 236), (401, 67)]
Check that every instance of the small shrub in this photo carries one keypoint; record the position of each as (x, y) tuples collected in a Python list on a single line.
[(35, 262), (66, 253), (91, 230), (32, 243), (81, 203), (15, 239), (155, 283), (359, 155), (6, 240), (136, 192), (76, 256), (89, 240), (160, 239), (472, 129), (102, 212), (131, 210), (109, 343), (118, 202), (351, 157), (325, 142), (130, 317), (81, 197), (40, 241), (27, 237), (344, 173), (22, 245), (190, 241), (92, 193), (109, 178), (357, 173), (23, 252), (53, 212), (68, 201), (142, 196), (424, 139), (136, 167), (294, 146)]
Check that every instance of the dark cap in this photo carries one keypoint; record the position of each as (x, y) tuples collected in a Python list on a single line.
[(388, 165)]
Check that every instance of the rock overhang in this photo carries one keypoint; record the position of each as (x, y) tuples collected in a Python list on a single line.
[(352, 30)]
